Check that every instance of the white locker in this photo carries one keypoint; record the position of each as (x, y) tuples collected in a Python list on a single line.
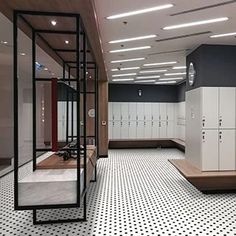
[(132, 129), (226, 149), (170, 111), (61, 130), (124, 109), (170, 129), (162, 129), (116, 112), (155, 111), (140, 111), (209, 108), (227, 108), (132, 111), (110, 117), (210, 150), (162, 115), (116, 130), (110, 128), (124, 129), (140, 129), (155, 129), (147, 129), (147, 111)]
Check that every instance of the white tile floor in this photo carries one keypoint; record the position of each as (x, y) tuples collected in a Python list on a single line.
[(138, 193)]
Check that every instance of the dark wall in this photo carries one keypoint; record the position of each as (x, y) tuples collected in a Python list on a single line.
[(150, 93), (215, 66), (181, 89)]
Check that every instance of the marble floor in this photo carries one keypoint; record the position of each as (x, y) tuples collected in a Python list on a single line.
[(138, 192)]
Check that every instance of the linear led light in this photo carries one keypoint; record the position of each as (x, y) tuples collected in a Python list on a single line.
[(130, 49), (195, 23), (131, 59), (179, 73), (166, 82), (148, 77), (151, 71), (179, 67), (133, 39), (223, 35), (128, 79), (145, 81), (126, 68), (141, 11), (166, 79), (161, 63), (120, 75)]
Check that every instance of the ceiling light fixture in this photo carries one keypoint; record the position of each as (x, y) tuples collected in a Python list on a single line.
[(22, 53), (195, 23), (166, 79), (46, 69), (127, 60), (66, 41), (133, 39), (4, 42), (167, 82), (151, 71), (223, 35), (161, 63), (145, 81), (126, 68), (179, 73), (130, 49), (145, 10), (179, 67), (53, 22), (127, 79), (148, 77), (120, 75)]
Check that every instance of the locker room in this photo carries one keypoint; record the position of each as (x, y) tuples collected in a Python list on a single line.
[(118, 117)]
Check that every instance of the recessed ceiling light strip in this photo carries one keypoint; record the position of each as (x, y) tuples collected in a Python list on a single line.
[(127, 60), (126, 68), (161, 63), (151, 71), (223, 35), (179, 67), (130, 49), (167, 79), (166, 82), (127, 79), (144, 81), (120, 75), (179, 73), (148, 77), (133, 39)]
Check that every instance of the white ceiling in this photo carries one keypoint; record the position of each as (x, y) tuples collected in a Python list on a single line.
[(153, 23)]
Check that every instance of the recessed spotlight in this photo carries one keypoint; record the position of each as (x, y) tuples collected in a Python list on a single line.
[(133, 39), (127, 79), (161, 63), (52, 73), (53, 22), (179, 73), (120, 75), (126, 60), (145, 81), (4, 42), (46, 69), (22, 53), (166, 82), (151, 71), (179, 67), (223, 35), (130, 49), (148, 77), (141, 11), (66, 41), (195, 23), (126, 68), (166, 79)]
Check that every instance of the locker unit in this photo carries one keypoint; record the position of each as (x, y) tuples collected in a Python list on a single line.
[(132, 129)]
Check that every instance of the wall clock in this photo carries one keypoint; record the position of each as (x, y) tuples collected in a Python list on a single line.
[(191, 74)]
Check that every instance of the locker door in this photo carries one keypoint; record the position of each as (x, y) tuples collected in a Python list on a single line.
[(148, 129), (209, 108), (155, 129), (132, 129), (170, 129), (116, 130), (140, 111), (163, 115), (124, 108), (132, 111), (210, 160), (162, 129), (170, 111), (227, 108), (61, 121), (116, 111), (110, 128), (155, 111), (140, 129), (147, 111), (110, 113), (124, 129), (226, 149)]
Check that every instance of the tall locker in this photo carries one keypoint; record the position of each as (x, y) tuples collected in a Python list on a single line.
[(140, 129), (162, 115), (155, 129), (132, 129), (110, 117), (162, 129), (147, 111), (209, 150), (116, 130), (124, 111), (132, 111), (124, 129), (155, 111), (110, 128), (140, 111), (170, 129), (227, 108), (116, 112), (147, 129), (61, 120), (227, 150), (170, 111)]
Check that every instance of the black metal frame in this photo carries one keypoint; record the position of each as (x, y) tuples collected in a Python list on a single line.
[(78, 63)]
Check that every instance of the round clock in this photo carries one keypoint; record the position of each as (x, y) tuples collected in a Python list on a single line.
[(191, 74)]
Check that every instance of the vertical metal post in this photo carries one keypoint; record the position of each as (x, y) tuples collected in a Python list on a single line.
[(72, 115), (54, 115), (15, 84), (96, 119), (34, 117), (64, 71)]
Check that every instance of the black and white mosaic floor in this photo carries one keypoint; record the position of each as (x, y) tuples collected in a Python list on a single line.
[(137, 193)]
